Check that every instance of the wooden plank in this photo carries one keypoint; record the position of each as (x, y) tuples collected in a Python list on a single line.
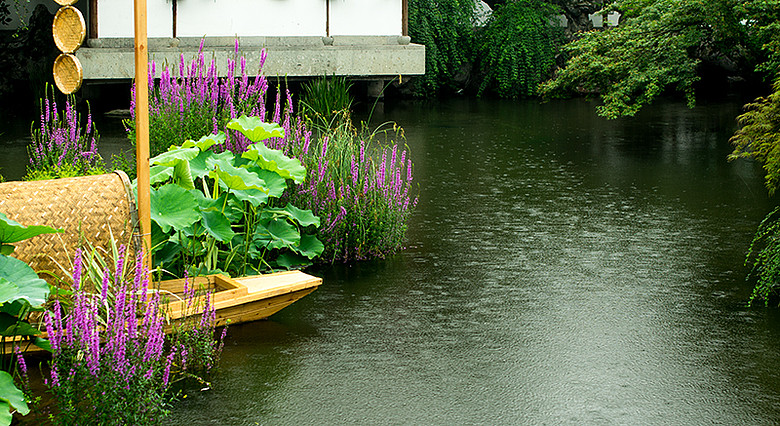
[(224, 282), (177, 286)]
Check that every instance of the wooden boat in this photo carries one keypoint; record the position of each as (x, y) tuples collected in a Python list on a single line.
[(235, 300), (243, 299)]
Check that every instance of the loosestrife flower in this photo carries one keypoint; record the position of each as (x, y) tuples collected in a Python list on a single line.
[(120, 367)]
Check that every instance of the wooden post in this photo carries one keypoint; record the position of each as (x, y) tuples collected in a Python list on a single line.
[(174, 12), (93, 19), (142, 128), (327, 18), (404, 17)]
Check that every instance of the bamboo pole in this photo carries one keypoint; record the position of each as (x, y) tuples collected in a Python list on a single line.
[(142, 128)]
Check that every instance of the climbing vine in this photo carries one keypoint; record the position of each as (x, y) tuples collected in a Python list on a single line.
[(446, 28), (517, 48)]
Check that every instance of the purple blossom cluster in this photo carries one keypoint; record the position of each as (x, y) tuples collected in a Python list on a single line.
[(191, 100), (363, 204), (59, 140), (111, 350)]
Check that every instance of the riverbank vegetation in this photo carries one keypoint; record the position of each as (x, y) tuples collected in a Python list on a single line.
[(759, 139), (671, 46), (358, 183), (508, 54)]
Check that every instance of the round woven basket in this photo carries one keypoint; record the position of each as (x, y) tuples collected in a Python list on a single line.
[(88, 209), (68, 73)]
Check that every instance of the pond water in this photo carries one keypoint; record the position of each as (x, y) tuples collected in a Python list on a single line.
[(560, 268)]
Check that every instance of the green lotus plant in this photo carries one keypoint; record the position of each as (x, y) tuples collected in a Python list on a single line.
[(21, 292), (220, 212)]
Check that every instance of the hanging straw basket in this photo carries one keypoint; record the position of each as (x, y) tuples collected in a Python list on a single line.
[(88, 209)]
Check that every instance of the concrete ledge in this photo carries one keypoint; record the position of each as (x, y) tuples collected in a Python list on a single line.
[(287, 56)]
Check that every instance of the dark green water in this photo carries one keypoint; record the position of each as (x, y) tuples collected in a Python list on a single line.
[(560, 269)]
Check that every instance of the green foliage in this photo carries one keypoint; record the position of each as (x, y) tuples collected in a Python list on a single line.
[(324, 97), (759, 137), (764, 256), (21, 292), (446, 28), (63, 171), (517, 48), (229, 222), (10, 398), (361, 187), (658, 45), (762, 21)]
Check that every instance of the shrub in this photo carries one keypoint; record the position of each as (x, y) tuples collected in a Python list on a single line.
[(60, 147), (230, 222), (446, 28), (517, 48), (759, 139), (764, 255)]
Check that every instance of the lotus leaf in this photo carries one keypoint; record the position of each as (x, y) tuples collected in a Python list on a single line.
[(217, 225), (309, 246), (276, 184), (42, 343), (255, 129), (292, 261), (8, 290), (12, 231), (303, 217), (275, 161), (173, 207), (30, 288), (276, 233), (171, 157), (10, 397), (223, 159), (204, 162), (159, 174), (11, 326), (255, 197), (237, 178), (205, 142)]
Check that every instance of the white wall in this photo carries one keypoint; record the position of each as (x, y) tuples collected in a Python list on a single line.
[(198, 18), (115, 18), (365, 17)]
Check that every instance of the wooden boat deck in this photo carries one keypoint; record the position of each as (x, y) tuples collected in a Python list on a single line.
[(245, 299)]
